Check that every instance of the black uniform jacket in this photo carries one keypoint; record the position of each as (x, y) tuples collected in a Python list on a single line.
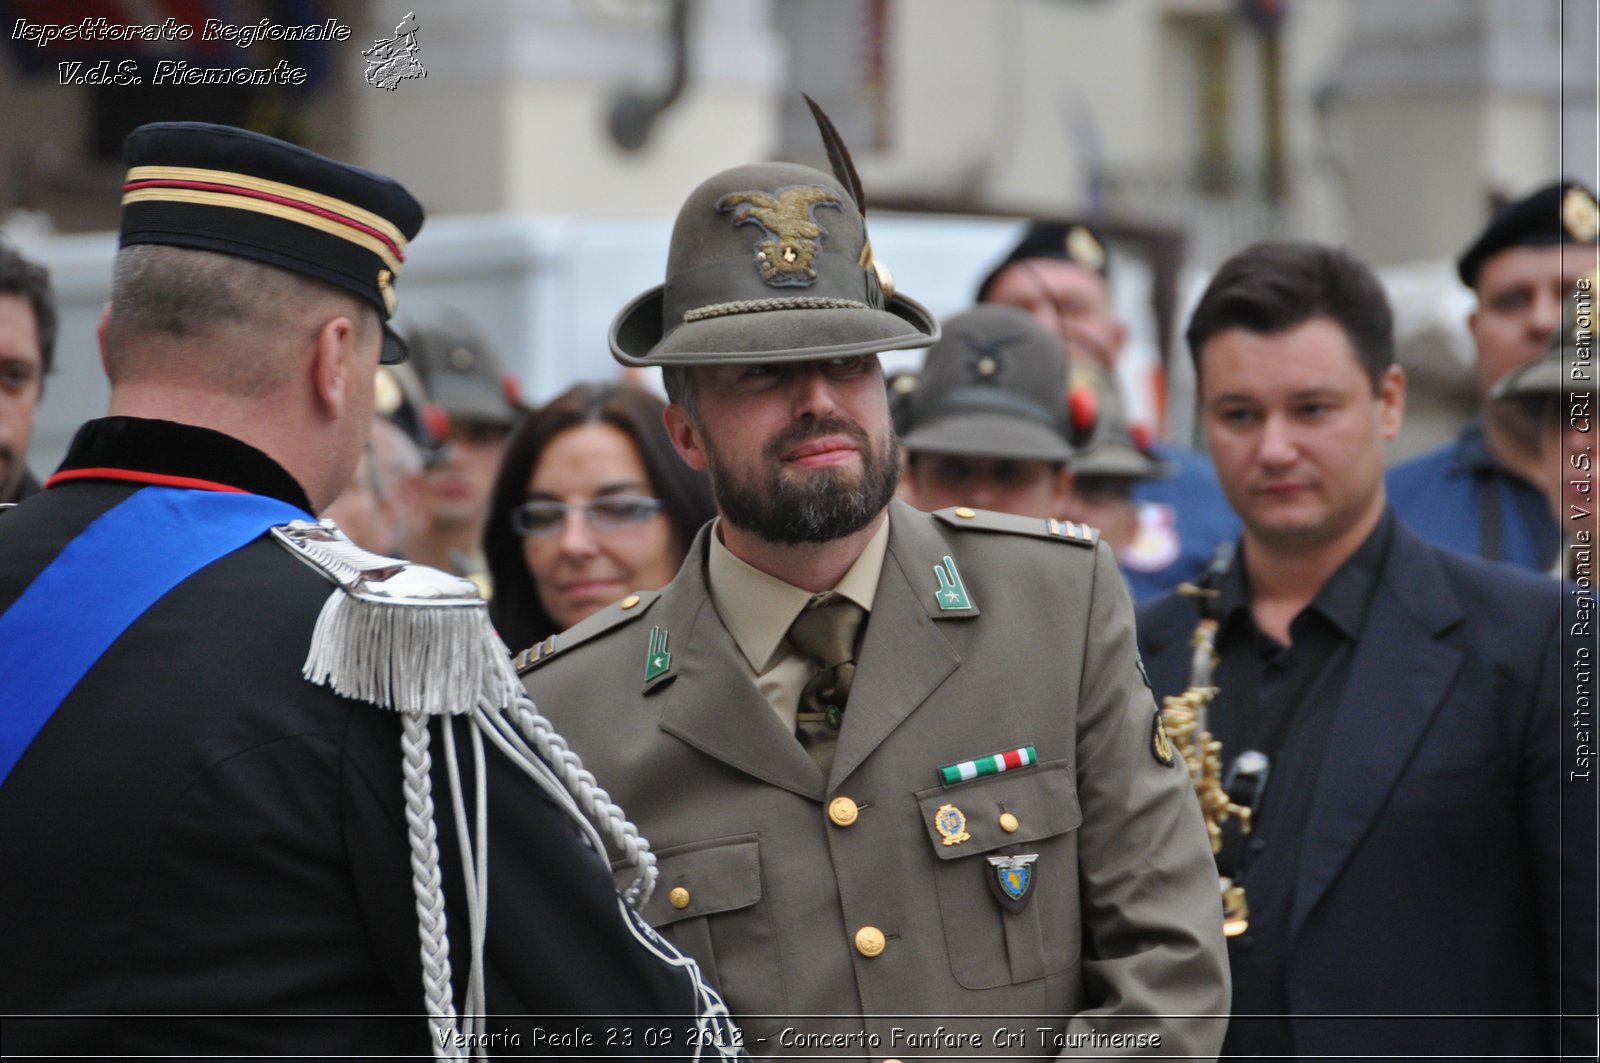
[(1447, 859), (199, 831)]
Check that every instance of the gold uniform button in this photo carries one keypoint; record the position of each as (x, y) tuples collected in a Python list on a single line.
[(870, 941), (630, 601), (1008, 823), (678, 898), (965, 513), (843, 812)]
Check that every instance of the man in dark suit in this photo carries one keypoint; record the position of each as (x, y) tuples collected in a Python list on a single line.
[(204, 852), (1420, 872)]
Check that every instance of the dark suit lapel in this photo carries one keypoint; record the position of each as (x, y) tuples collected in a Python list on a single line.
[(903, 657), (1397, 682), (710, 701)]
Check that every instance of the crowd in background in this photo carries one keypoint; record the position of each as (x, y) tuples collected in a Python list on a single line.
[(560, 510), (566, 507)]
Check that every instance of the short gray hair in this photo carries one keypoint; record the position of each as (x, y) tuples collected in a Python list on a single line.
[(166, 300)]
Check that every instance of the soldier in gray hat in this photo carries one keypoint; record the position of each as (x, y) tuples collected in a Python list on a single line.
[(1105, 473), (1060, 272), (987, 423), (866, 844), (464, 378)]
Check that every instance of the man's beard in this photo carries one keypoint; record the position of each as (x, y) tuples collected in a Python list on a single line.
[(826, 504)]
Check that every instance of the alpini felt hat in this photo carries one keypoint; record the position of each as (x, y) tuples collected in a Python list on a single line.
[(995, 385), (463, 374), (769, 263)]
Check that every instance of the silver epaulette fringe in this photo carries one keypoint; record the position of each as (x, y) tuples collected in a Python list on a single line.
[(402, 636)]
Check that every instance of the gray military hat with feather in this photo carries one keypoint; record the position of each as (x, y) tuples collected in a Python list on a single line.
[(771, 263)]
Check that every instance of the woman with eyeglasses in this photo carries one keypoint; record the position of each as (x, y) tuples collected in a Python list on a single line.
[(591, 503)]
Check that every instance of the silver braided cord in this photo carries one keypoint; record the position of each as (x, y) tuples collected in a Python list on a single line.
[(428, 887), (560, 773), (418, 642), (504, 735), (474, 874), (596, 802)]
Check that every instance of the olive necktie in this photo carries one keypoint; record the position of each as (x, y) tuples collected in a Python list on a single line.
[(827, 632)]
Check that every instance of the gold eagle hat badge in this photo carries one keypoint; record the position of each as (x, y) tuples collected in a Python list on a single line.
[(771, 263)]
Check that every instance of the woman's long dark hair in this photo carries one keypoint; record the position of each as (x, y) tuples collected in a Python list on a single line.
[(515, 607)]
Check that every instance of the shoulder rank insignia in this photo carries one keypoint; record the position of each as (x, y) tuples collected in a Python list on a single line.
[(524, 661), (630, 608), (983, 520), (1011, 879)]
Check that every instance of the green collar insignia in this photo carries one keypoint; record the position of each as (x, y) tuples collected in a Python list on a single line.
[(952, 593), (657, 661)]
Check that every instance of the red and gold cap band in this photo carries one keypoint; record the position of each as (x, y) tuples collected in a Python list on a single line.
[(235, 192)]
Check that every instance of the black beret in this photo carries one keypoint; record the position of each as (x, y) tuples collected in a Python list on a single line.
[(1069, 241), (217, 188), (1556, 214)]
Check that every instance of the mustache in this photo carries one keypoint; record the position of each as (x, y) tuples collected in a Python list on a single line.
[(801, 433)]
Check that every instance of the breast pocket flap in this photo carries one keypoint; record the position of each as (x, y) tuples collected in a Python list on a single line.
[(1014, 808), (705, 878)]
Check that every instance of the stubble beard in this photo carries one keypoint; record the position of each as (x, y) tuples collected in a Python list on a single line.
[(817, 506)]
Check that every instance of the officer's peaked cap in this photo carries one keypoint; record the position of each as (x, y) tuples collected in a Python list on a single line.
[(217, 188)]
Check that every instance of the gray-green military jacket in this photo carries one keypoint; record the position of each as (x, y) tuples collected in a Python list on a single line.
[(775, 885)]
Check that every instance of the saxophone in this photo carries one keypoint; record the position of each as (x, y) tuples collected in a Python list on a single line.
[(1183, 717)]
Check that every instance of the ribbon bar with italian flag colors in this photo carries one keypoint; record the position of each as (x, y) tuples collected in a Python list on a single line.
[(993, 764)]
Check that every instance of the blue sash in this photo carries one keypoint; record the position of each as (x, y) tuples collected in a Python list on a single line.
[(104, 580)]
